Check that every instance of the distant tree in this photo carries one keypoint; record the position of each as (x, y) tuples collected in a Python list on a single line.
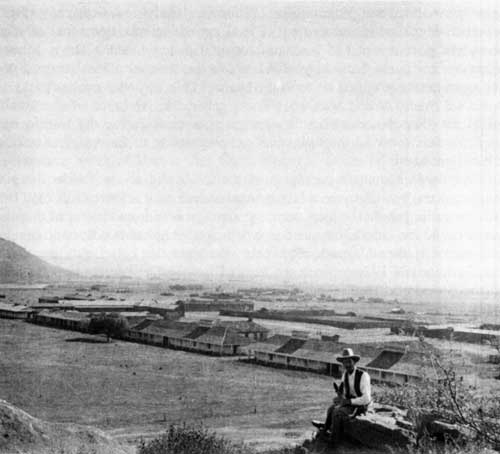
[(109, 324), (496, 343)]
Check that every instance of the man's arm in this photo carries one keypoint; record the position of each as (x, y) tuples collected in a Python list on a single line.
[(366, 391), (339, 389)]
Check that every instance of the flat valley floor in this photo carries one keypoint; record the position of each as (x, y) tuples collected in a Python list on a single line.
[(133, 391)]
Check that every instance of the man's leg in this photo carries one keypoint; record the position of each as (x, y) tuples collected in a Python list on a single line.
[(339, 415), (328, 420)]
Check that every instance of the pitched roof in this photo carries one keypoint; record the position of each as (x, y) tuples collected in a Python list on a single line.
[(291, 346), (166, 332), (416, 369), (386, 359), (176, 333), (65, 315), (278, 339), (322, 346), (168, 328), (364, 350), (133, 314), (319, 350), (315, 355), (409, 345), (14, 307), (220, 335), (141, 324), (244, 326), (263, 347), (486, 332), (197, 332)]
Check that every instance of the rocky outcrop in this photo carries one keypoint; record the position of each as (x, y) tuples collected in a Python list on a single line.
[(383, 426), (391, 428), (443, 431)]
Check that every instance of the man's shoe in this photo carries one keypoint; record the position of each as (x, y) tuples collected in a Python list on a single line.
[(319, 425)]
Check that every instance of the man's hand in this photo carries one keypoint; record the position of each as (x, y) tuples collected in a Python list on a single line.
[(343, 401)]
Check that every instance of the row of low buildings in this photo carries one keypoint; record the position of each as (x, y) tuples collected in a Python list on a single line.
[(21, 311), (468, 335), (70, 319), (208, 337), (14, 311), (344, 321), (102, 306), (83, 303), (398, 363), (213, 337), (215, 305), (213, 340)]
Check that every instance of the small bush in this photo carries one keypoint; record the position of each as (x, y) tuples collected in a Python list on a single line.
[(429, 446), (450, 400), (190, 440)]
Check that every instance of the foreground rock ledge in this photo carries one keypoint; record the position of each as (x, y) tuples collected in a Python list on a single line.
[(384, 426)]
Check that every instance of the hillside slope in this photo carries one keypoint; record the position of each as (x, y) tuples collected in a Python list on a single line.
[(18, 265), (21, 432)]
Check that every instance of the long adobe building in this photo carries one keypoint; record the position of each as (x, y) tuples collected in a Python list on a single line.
[(393, 364), (220, 340), (14, 311)]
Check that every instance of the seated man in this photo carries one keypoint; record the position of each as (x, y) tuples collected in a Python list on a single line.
[(353, 396)]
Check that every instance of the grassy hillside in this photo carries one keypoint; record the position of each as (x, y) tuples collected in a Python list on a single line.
[(21, 432)]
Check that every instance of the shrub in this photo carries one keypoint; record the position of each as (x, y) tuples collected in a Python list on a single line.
[(450, 400), (190, 440), (428, 446)]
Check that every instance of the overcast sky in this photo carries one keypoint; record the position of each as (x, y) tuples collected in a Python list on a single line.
[(343, 142)]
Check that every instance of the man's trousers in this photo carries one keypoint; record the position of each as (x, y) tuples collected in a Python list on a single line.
[(335, 417)]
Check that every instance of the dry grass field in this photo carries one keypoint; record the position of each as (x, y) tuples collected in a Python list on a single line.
[(129, 389)]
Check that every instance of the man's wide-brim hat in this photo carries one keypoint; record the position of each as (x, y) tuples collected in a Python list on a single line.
[(347, 353)]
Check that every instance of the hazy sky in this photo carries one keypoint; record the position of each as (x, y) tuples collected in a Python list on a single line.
[(343, 142)]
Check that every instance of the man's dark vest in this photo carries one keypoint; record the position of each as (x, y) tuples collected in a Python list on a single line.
[(357, 384)]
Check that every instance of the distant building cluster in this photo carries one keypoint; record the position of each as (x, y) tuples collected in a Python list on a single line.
[(211, 305), (468, 335), (161, 326)]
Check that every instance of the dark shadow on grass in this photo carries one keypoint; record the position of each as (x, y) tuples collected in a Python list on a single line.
[(88, 340)]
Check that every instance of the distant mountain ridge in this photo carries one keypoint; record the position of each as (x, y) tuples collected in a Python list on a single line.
[(18, 265)]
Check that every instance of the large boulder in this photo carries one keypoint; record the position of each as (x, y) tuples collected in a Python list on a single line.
[(382, 426), (444, 431)]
